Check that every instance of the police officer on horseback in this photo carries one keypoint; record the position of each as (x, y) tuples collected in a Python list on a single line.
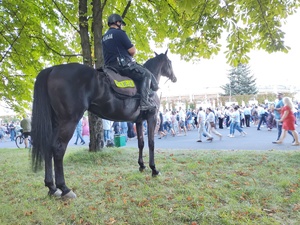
[(118, 52)]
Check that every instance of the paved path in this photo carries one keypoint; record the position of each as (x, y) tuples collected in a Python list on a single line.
[(254, 140)]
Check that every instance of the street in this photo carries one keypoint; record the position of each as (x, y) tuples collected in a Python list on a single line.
[(254, 140)]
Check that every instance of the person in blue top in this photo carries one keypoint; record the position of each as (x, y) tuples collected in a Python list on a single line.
[(118, 52), (79, 132), (277, 111)]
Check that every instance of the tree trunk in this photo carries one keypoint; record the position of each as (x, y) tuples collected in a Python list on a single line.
[(96, 133), (84, 33), (95, 123), (96, 126), (97, 31)]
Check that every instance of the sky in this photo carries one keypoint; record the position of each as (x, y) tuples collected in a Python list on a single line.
[(268, 69)]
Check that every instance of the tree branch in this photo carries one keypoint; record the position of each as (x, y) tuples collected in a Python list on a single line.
[(172, 9), (126, 9), (11, 44), (201, 14), (103, 5), (75, 28), (262, 13), (53, 50)]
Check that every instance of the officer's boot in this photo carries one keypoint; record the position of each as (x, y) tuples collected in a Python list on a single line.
[(145, 104)]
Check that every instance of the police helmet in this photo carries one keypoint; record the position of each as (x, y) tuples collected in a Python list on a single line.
[(113, 18)]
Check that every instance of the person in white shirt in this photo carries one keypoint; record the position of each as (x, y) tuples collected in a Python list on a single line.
[(168, 123), (201, 118), (174, 122), (211, 122), (235, 123), (263, 115), (107, 125), (182, 115), (220, 117), (247, 114)]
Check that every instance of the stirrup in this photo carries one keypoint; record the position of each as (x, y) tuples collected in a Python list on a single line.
[(154, 87), (150, 93), (147, 107)]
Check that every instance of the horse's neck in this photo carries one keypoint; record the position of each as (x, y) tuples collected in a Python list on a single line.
[(155, 70)]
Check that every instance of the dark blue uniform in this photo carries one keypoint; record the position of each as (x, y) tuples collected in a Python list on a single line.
[(115, 44)]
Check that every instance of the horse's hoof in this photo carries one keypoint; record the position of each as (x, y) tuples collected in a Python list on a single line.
[(141, 169), (157, 173), (58, 193), (69, 195)]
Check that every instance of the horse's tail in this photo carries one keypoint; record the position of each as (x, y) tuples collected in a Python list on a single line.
[(41, 124)]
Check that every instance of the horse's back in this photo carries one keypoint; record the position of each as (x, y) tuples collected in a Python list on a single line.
[(72, 71), (71, 87)]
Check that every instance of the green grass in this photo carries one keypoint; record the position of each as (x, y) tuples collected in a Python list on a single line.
[(196, 187)]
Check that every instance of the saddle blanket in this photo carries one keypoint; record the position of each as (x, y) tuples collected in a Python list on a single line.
[(121, 84)]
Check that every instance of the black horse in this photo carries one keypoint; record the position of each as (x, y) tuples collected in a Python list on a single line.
[(63, 93)]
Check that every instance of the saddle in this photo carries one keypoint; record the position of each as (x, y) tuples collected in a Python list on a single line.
[(122, 85)]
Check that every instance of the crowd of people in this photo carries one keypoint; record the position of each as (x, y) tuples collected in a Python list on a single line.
[(9, 131), (281, 115)]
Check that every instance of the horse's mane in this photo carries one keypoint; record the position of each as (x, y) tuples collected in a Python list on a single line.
[(152, 63)]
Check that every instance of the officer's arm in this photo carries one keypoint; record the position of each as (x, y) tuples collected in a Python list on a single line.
[(132, 50)]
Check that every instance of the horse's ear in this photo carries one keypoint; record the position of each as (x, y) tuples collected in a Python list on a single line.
[(156, 54), (166, 51)]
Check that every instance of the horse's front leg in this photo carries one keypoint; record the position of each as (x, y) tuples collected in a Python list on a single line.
[(151, 129), (140, 137)]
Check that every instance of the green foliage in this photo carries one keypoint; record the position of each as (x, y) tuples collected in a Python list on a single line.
[(192, 105), (240, 82), (271, 97), (33, 34), (36, 34), (196, 187), (164, 104)]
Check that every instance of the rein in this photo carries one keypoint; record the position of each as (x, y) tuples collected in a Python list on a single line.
[(167, 80)]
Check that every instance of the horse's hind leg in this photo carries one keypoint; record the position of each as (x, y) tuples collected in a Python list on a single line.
[(61, 137), (140, 137), (53, 191)]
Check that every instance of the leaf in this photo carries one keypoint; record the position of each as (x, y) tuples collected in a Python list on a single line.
[(269, 211), (143, 203), (189, 198), (296, 207), (111, 221), (92, 208), (73, 217), (28, 213)]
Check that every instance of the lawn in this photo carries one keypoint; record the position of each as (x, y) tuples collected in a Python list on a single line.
[(195, 187)]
